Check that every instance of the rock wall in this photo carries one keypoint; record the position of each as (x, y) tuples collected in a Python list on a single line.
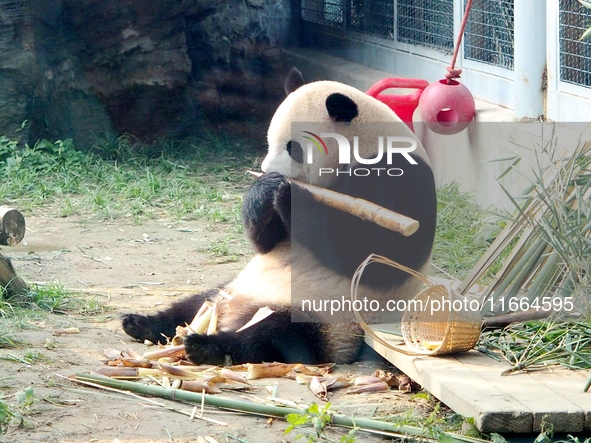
[(80, 68), (18, 70)]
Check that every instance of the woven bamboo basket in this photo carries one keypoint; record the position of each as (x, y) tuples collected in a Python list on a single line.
[(451, 328)]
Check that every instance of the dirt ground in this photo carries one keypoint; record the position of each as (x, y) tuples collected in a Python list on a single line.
[(135, 268)]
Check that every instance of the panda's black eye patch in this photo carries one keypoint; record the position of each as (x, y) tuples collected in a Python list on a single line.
[(341, 108), (294, 149)]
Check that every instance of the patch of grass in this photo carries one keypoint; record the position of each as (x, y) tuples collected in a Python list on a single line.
[(28, 358), (539, 344), (7, 337), (464, 232), (229, 248), (221, 247), (6, 416), (319, 419), (21, 312), (5, 306), (123, 178), (25, 400), (52, 297), (91, 306)]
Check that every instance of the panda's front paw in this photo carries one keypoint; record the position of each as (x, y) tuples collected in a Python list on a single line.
[(205, 349), (258, 206), (282, 204), (264, 224), (138, 327), (271, 182)]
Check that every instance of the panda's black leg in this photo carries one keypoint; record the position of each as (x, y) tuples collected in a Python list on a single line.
[(163, 324), (262, 223), (274, 339)]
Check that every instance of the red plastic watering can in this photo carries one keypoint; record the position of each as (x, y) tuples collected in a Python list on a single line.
[(403, 105)]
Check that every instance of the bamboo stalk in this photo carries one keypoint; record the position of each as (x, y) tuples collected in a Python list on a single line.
[(264, 409), (489, 257), (545, 275), (509, 284), (526, 267), (175, 394), (359, 208)]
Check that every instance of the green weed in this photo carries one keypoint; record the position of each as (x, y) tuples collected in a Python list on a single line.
[(7, 337), (25, 399), (20, 312), (53, 297), (227, 249), (6, 416), (319, 419), (28, 358)]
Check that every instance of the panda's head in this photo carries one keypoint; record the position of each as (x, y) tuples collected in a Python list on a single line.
[(332, 104)]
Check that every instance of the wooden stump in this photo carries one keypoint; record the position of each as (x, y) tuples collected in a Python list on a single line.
[(12, 226), (8, 279)]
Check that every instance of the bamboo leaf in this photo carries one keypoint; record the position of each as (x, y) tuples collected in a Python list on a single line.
[(501, 159)]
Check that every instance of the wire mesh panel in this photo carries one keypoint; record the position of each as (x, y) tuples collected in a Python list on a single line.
[(428, 23), (375, 17), (575, 54), (489, 33), (323, 11)]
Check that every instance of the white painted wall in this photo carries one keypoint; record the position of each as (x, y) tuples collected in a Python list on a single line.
[(466, 157)]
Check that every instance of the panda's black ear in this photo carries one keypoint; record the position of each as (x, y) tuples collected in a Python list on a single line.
[(341, 108), (293, 81)]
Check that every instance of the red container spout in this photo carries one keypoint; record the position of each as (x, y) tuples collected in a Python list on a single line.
[(403, 105)]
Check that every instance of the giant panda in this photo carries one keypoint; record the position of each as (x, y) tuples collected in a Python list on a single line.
[(308, 250)]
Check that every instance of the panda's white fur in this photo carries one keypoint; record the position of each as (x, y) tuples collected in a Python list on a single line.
[(267, 280), (302, 105), (286, 266)]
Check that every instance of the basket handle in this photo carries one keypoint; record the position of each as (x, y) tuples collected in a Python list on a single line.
[(375, 258)]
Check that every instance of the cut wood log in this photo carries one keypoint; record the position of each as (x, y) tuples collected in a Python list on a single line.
[(8, 279), (12, 226)]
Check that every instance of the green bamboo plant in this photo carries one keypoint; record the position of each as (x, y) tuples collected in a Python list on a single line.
[(549, 266)]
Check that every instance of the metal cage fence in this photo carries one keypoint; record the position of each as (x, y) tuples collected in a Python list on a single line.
[(489, 33), (329, 12), (374, 17), (575, 54), (427, 23)]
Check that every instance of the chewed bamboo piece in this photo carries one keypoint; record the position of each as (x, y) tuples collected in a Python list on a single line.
[(360, 208), (178, 373)]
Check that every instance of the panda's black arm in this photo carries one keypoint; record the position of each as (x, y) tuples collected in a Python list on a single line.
[(163, 324), (264, 225), (276, 338)]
